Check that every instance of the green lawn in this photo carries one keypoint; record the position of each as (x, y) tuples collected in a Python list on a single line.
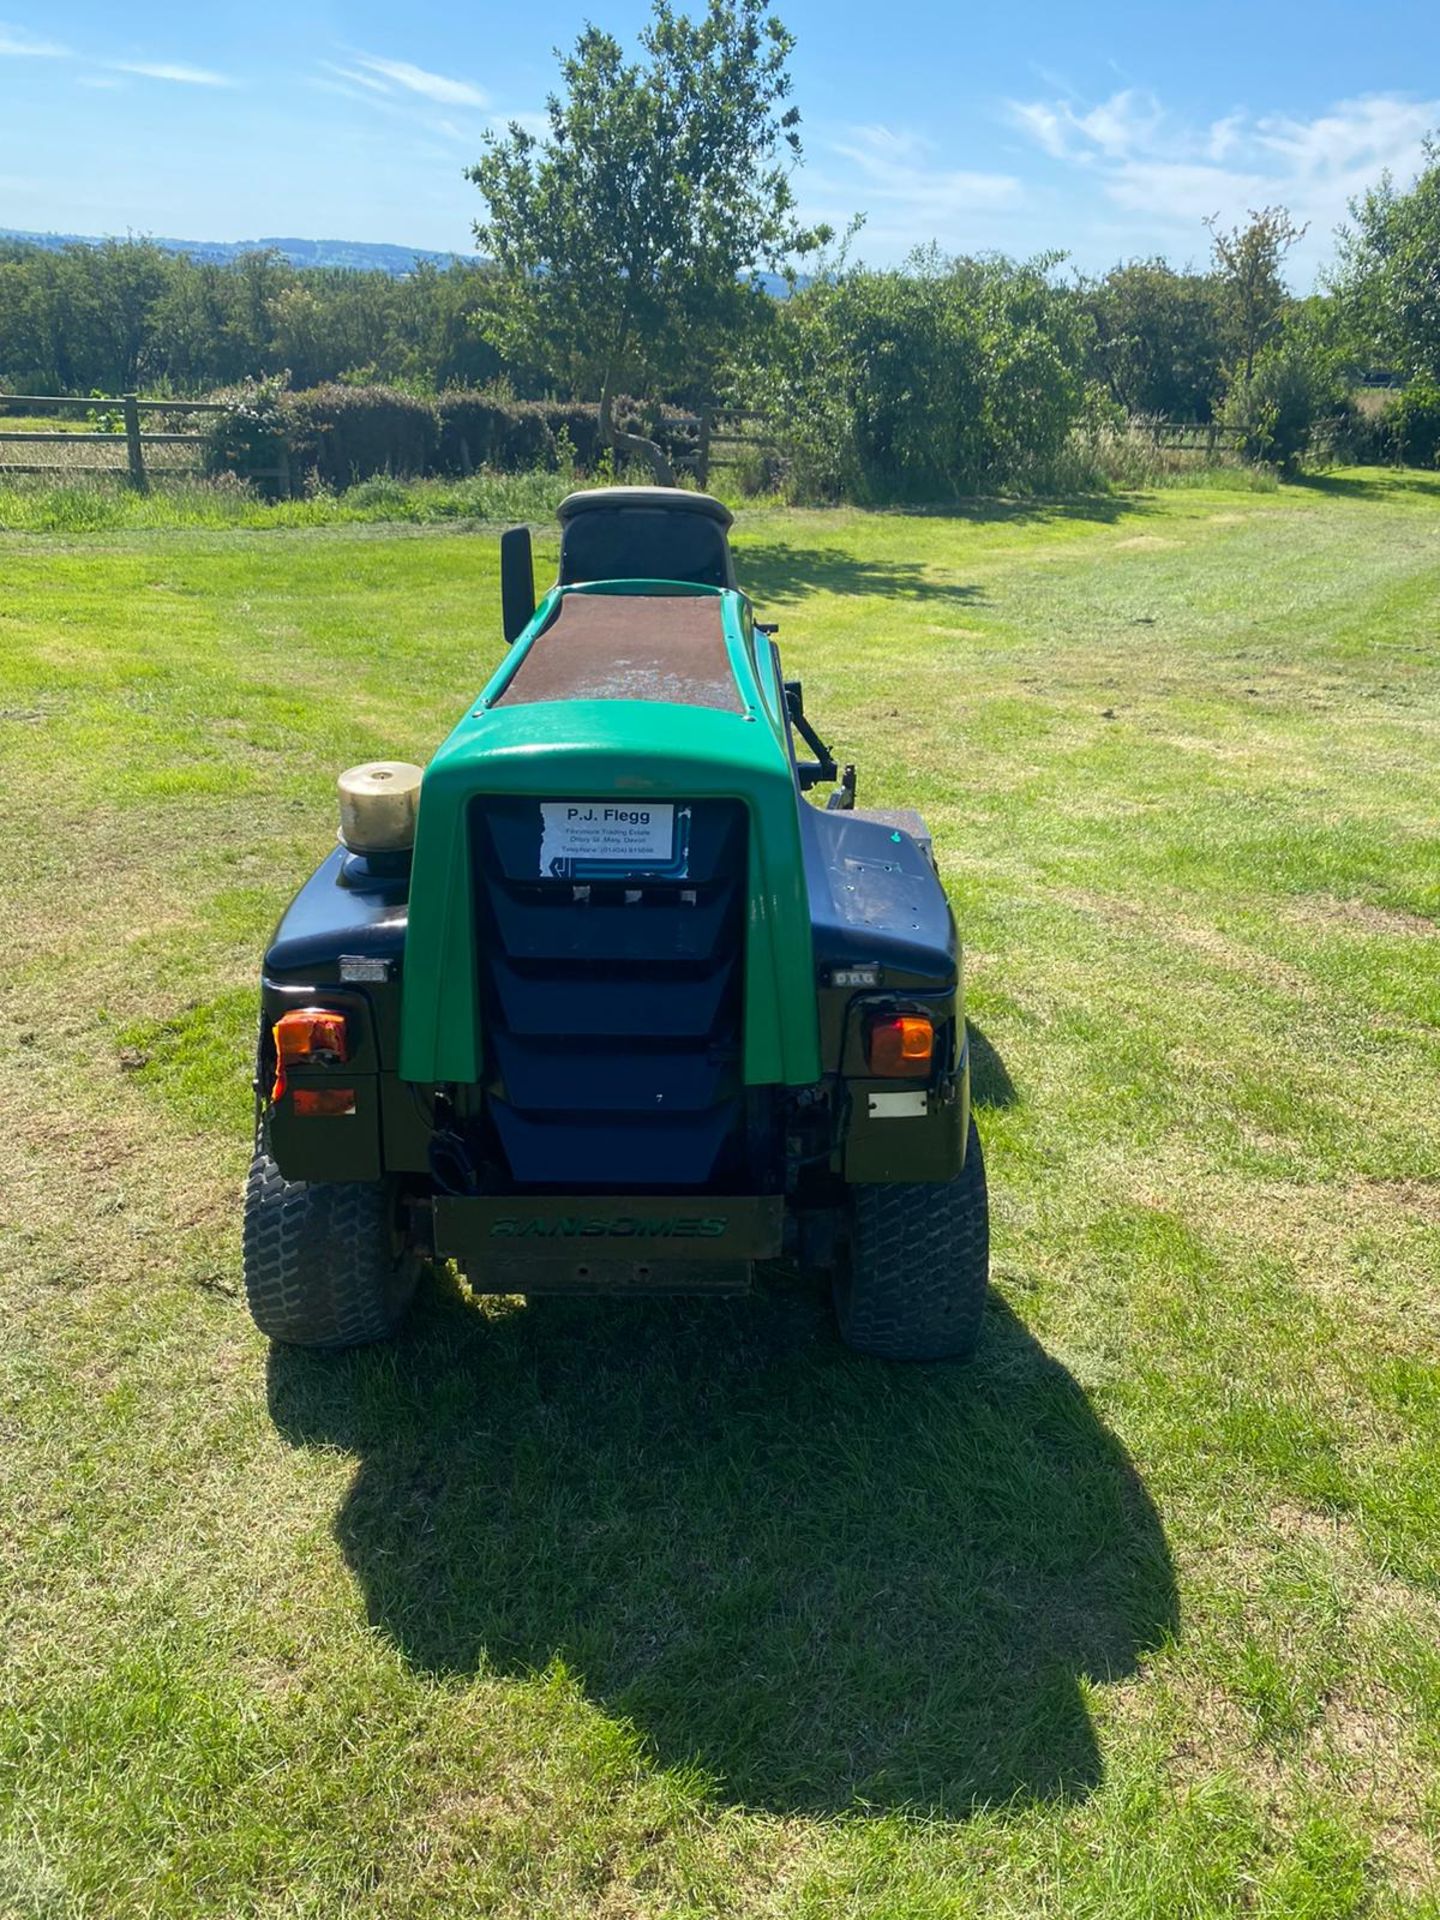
[(673, 1609)]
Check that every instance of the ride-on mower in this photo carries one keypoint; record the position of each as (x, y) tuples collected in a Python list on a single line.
[(602, 1002)]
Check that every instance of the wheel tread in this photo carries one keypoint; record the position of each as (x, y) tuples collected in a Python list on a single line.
[(320, 1270), (918, 1268)]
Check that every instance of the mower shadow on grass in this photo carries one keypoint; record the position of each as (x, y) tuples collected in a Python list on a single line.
[(990, 1082), (832, 1584)]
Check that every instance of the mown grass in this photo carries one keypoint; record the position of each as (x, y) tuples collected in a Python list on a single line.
[(678, 1609)]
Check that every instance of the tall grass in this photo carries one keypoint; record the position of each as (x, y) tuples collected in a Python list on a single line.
[(35, 504), (1124, 460), (1130, 459)]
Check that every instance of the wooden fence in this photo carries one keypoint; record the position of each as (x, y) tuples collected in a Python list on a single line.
[(133, 438), (723, 437), (1189, 436)]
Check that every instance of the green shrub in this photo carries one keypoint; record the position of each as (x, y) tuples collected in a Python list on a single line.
[(1275, 411), (343, 434), (252, 436), (574, 436), (486, 428), (339, 435), (482, 430), (754, 472), (949, 378), (1413, 418), (1352, 436)]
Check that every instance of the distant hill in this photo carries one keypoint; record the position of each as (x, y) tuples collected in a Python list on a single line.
[(372, 255)]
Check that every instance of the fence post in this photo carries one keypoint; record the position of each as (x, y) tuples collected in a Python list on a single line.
[(702, 452), (133, 445)]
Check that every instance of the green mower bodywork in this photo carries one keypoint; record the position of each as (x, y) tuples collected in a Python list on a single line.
[(604, 749), (634, 1014)]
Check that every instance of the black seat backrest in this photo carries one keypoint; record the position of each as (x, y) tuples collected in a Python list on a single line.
[(644, 543)]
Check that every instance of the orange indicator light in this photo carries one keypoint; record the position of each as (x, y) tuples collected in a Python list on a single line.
[(902, 1047), (309, 1036)]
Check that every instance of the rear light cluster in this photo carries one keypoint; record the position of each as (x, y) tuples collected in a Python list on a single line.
[(317, 1103), (312, 1037), (901, 1047)]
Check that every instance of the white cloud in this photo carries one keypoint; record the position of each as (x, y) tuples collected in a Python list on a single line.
[(173, 70), (18, 42), (1171, 174), (1127, 120), (22, 45), (434, 86), (1353, 134), (1045, 125), (908, 195), (1184, 192), (876, 145), (897, 170), (1224, 136), (355, 77)]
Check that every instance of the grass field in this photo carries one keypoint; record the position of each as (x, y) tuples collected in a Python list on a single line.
[(676, 1609)]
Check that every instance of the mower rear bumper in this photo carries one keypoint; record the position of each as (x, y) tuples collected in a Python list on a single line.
[(568, 1243)]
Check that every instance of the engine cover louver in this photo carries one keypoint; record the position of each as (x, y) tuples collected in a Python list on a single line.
[(611, 1008)]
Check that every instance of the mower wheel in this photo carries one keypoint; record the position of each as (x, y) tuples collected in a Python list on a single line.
[(912, 1283), (324, 1262)]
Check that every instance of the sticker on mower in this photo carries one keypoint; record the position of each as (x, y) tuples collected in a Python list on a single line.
[(580, 835)]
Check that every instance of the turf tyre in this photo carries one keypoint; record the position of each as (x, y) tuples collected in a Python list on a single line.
[(324, 1265), (913, 1281)]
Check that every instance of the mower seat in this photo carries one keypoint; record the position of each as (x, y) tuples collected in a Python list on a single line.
[(645, 533)]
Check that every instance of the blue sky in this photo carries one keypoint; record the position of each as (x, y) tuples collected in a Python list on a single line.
[(1105, 129)]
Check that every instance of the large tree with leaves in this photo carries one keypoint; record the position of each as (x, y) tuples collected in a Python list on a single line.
[(1160, 338), (627, 239), (1389, 274), (1249, 263)]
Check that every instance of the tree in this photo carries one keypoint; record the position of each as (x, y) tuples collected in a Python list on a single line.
[(1248, 262), (941, 379), (628, 239), (1389, 271), (1160, 339)]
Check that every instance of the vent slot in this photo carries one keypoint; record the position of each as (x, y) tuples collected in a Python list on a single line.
[(612, 1009)]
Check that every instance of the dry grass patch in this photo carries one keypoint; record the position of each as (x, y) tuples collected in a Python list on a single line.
[(1362, 916)]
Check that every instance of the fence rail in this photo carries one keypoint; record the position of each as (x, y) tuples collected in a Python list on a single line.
[(132, 437), (722, 436), (102, 400)]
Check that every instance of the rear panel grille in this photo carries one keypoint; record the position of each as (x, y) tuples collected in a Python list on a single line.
[(612, 1009)]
